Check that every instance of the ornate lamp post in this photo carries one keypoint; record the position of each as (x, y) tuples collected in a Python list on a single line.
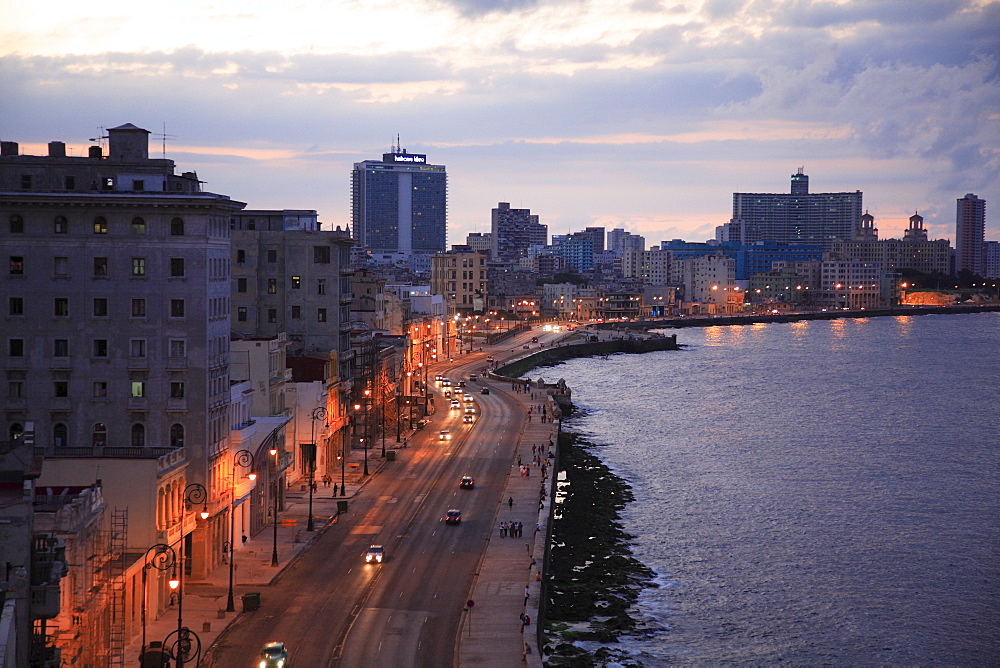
[(243, 459), (194, 494), (274, 515), (163, 558), (368, 406), (319, 413)]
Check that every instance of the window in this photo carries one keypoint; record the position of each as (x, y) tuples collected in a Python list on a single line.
[(178, 347), (16, 224), (321, 254), (241, 285), (241, 313), (321, 286), (177, 436), (138, 389), (176, 266), (138, 226), (100, 266), (25, 181), (100, 307), (61, 306), (241, 257), (272, 286), (296, 282), (138, 308), (176, 308), (61, 226), (59, 434), (60, 388), (137, 348), (272, 315), (16, 431), (272, 256), (138, 266), (15, 389), (100, 389), (321, 315), (138, 184), (138, 436), (99, 435), (69, 183), (100, 347), (100, 225), (176, 389), (177, 227), (60, 266), (15, 306), (16, 265), (60, 348), (15, 348), (296, 313)]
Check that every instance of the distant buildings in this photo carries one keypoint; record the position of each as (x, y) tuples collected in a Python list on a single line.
[(400, 204), (970, 228), (914, 251), (799, 217), (460, 275), (514, 231)]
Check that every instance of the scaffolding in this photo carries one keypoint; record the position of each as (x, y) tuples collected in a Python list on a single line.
[(116, 578)]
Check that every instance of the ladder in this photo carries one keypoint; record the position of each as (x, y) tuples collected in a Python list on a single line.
[(119, 541)]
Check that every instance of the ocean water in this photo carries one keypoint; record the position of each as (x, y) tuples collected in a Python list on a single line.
[(815, 492)]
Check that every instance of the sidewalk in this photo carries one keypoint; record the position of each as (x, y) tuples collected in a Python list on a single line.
[(204, 601), (492, 633)]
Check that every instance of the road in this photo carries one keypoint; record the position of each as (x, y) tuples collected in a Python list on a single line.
[(332, 609)]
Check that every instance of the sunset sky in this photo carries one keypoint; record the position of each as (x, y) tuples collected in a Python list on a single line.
[(641, 114)]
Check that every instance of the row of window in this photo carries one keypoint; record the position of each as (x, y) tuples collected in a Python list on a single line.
[(272, 314), (321, 255), (99, 434), (272, 285), (60, 266), (177, 348), (60, 225), (61, 307), (60, 389)]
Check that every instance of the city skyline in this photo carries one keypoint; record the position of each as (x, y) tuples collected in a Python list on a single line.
[(647, 117)]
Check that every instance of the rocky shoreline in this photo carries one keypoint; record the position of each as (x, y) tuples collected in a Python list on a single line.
[(592, 578)]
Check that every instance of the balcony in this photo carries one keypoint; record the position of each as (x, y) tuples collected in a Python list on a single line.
[(45, 601)]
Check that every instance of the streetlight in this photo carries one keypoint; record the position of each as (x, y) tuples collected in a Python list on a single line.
[(368, 394), (274, 513), (194, 494), (319, 413), (243, 459), (163, 559)]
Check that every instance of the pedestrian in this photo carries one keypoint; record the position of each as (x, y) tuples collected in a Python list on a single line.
[(510, 502), (519, 460), (521, 617), (527, 471), (503, 529), (335, 489), (244, 539), (533, 448), (527, 595)]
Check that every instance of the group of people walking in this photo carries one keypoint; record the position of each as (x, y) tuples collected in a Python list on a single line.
[(511, 529)]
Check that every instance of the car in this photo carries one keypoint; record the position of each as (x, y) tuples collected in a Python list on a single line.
[(444, 435), (534, 339), (453, 516), (467, 482), (470, 408), (447, 393), (455, 405), (526, 347), (446, 382), (473, 377), (438, 378), (485, 390), (274, 655), (375, 553), (489, 358), (461, 383), (468, 419), (467, 399)]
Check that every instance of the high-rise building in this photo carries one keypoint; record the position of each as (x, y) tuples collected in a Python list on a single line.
[(970, 231), (460, 275), (400, 204), (913, 251), (514, 231), (800, 217)]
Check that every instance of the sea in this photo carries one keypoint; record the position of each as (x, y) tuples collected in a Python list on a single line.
[(817, 492)]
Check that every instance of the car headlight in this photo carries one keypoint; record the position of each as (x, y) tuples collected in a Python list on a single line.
[(379, 558), (281, 663), (263, 664)]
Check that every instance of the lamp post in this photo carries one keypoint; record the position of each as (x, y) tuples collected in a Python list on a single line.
[(368, 395), (319, 413), (243, 459), (194, 494), (163, 559), (274, 512)]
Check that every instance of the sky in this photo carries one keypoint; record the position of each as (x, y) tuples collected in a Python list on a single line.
[(640, 114)]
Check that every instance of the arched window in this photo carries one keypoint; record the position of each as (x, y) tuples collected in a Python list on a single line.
[(59, 434), (16, 431), (138, 435), (177, 436), (61, 225), (100, 435), (177, 227), (138, 226), (100, 225), (16, 224)]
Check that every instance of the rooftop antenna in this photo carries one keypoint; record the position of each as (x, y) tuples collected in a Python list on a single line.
[(101, 136), (163, 137), (398, 149)]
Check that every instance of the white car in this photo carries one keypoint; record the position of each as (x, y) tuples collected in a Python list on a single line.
[(445, 435), (375, 553)]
